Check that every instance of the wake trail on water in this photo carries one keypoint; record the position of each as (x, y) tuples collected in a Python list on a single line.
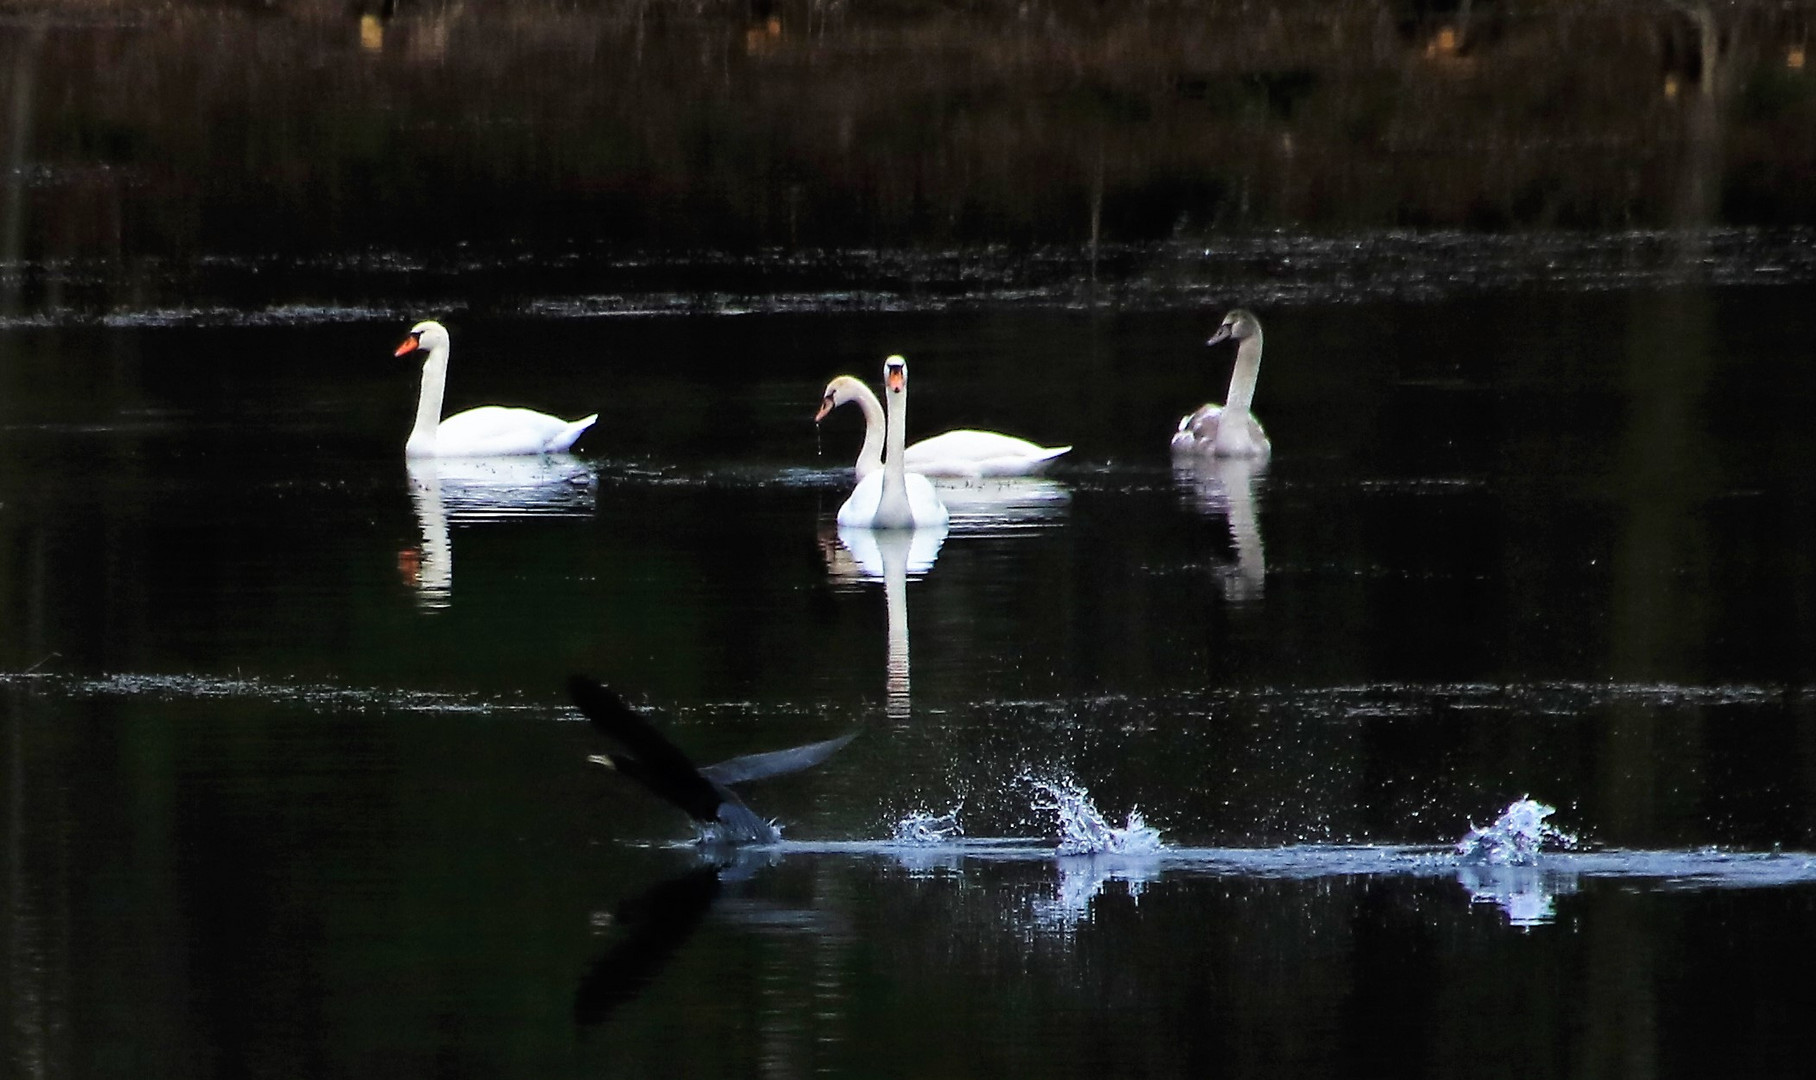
[(1519, 863)]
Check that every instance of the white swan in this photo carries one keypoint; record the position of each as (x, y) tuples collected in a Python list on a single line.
[(1230, 430), (488, 431), (892, 498), (962, 452)]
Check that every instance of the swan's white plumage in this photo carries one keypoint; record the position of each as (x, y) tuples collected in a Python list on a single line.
[(892, 497), (969, 453), (1230, 429), (495, 430), (1201, 431), (487, 431), (862, 506), (960, 453)]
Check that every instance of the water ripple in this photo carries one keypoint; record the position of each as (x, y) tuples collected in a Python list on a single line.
[(1268, 267)]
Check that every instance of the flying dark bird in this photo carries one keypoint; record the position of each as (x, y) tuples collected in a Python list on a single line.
[(704, 794)]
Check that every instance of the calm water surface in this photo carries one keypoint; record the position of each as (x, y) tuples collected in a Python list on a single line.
[(291, 787)]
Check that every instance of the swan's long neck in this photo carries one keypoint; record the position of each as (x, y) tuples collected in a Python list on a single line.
[(870, 457), (428, 406), (1242, 378), (892, 510)]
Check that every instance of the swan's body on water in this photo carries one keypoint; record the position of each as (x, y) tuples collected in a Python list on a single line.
[(1229, 429), (487, 431), (892, 497), (960, 453)]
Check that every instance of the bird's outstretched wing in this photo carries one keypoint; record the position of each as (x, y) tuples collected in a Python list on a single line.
[(775, 762), (650, 759)]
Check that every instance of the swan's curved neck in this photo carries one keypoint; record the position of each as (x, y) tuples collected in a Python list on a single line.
[(428, 406), (870, 456), (1242, 378), (892, 510)]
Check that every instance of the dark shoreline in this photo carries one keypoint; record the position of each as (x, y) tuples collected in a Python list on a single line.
[(162, 136)]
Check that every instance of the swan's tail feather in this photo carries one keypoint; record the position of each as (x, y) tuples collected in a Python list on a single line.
[(570, 433)]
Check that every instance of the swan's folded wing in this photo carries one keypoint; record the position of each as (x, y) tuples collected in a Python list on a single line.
[(656, 763), (774, 763)]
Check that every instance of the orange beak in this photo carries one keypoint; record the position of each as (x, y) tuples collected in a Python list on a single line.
[(896, 379), (825, 407), (410, 345)]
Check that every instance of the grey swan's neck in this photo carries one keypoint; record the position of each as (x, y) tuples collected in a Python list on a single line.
[(1242, 378)]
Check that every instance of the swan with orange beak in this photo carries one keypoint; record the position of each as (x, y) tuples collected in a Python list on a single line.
[(893, 498), (486, 431)]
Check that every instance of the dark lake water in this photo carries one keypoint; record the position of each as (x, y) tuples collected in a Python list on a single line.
[(292, 785)]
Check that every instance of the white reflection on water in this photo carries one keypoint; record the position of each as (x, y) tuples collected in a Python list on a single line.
[(479, 490), (1527, 895), (1082, 879), (891, 555), (1225, 487)]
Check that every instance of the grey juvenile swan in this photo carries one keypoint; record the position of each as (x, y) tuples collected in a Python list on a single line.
[(1230, 430)]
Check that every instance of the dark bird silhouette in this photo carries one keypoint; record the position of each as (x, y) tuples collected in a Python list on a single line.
[(656, 924), (702, 793)]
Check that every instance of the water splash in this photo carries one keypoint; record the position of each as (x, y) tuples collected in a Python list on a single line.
[(923, 829), (1515, 838), (1083, 829), (725, 838)]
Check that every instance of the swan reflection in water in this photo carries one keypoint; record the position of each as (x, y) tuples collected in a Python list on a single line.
[(466, 491), (1225, 487), (891, 556)]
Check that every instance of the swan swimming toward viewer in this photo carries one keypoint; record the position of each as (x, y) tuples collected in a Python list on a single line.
[(892, 497), (1230, 430), (963, 452), (487, 431)]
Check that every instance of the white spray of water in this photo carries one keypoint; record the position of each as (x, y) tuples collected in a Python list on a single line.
[(1515, 838), (1082, 829), (924, 829)]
